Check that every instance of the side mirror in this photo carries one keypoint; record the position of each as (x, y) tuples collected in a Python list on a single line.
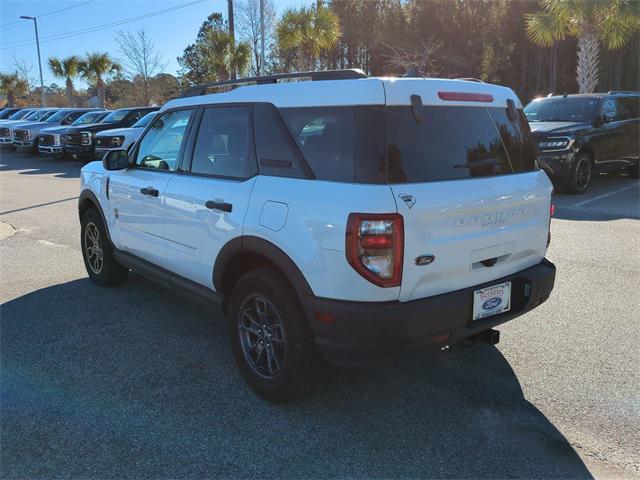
[(115, 160)]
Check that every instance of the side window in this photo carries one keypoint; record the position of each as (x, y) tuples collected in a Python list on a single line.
[(160, 147), (276, 151), (224, 145), (609, 109), (629, 106), (133, 117), (326, 138)]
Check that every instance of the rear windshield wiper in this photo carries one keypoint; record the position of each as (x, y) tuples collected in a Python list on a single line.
[(487, 162)]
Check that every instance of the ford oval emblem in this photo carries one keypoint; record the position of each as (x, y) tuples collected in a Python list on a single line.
[(425, 260), (492, 303)]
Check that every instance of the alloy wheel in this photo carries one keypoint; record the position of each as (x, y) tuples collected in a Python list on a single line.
[(583, 173), (262, 336), (93, 247)]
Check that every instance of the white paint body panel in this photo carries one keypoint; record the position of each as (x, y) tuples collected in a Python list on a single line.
[(307, 219), (195, 234)]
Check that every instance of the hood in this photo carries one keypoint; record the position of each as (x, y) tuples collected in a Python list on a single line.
[(32, 125), (54, 130), (116, 131), (92, 127), (542, 128)]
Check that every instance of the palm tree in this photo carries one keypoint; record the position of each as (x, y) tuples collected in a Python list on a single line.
[(13, 86), (67, 68), (612, 22), (307, 32), (96, 67)]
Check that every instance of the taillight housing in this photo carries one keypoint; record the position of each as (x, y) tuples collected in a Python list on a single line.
[(375, 246)]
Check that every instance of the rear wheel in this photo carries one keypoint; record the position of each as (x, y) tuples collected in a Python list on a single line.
[(98, 253), (270, 340), (580, 175)]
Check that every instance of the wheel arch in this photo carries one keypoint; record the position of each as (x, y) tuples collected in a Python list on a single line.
[(88, 200), (245, 253)]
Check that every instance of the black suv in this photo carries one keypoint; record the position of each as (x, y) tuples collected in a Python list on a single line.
[(79, 141), (579, 135)]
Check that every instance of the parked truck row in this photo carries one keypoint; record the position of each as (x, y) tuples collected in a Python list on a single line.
[(85, 133)]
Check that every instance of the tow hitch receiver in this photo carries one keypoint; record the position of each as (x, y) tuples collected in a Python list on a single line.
[(490, 337)]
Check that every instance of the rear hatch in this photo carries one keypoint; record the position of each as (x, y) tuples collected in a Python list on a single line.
[(462, 170)]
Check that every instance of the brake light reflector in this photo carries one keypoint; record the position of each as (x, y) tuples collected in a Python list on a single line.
[(374, 247), (465, 97)]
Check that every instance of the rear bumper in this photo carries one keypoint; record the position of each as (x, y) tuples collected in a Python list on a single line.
[(364, 331)]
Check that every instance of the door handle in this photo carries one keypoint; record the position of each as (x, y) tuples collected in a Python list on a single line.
[(225, 207), (149, 191)]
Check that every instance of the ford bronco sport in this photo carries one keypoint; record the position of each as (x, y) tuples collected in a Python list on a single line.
[(344, 217)]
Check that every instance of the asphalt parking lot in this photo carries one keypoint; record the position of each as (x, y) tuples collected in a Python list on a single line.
[(133, 381)]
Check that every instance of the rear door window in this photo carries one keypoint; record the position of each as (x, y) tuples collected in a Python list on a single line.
[(224, 145), (450, 143)]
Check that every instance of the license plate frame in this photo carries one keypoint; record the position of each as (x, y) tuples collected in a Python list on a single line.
[(491, 300)]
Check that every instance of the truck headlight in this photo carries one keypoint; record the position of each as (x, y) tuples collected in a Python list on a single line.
[(117, 141), (555, 143), (85, 138)]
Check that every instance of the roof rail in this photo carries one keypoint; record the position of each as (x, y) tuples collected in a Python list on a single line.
[(347, 74), (470, 79), (626, 92)]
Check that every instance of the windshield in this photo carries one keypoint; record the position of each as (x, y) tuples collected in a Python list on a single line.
[(90, 117), (562, 109), (20, 114), (38, 115), (59, 115), (144, 121), (115, 117)]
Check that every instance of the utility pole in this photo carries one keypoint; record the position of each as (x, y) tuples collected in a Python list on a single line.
[(35, 24), (231, 34), (261, 71)]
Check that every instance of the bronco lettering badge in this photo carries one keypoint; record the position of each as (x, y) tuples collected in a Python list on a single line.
[(425, 260)]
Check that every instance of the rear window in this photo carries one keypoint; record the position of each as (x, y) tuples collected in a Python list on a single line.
[(452, 143)]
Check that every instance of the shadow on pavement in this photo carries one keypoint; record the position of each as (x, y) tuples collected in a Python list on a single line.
[(36, 165), (131, 382), (610, 197)]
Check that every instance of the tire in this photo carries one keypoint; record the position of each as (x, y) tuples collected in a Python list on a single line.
[(581, 174), (97, 252), (279, 362)]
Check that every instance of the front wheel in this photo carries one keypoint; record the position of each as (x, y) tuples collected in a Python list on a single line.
[(98, 253), (270, 339), (580, 175)]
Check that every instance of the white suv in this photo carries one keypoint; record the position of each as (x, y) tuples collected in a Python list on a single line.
[(344, 217)]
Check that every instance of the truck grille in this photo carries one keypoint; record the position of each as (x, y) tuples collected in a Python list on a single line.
[(72, 138), (5, 132), (103, 141), (46, 140), (21, 134)]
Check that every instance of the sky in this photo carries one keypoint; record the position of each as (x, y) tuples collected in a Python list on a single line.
[(171, 31)]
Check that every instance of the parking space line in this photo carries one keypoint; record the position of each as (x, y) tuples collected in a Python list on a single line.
[(604, 195)]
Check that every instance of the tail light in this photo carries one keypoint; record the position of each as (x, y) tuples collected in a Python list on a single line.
[(374, 247)]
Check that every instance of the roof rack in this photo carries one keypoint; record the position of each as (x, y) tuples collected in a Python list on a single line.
[(626, 92), (347, 74)]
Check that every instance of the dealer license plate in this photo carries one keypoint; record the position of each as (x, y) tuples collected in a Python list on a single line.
[(491, 300)]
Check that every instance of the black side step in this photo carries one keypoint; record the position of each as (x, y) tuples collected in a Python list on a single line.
[(169, 280)]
